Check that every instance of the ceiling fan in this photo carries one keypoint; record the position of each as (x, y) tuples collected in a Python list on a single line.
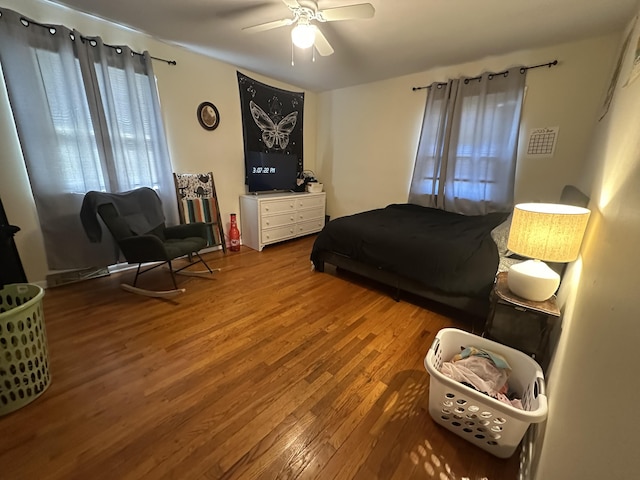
[(305, 34)]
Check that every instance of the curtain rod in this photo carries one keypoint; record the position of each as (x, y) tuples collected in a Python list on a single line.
[(522, 70), (83, 38)]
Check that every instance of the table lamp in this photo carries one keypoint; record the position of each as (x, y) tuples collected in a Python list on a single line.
[(544, 232)]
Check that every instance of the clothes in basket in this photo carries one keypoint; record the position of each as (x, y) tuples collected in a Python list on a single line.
[(484, 371)]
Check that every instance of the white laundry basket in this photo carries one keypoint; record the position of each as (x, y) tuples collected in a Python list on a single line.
[(486, 422)]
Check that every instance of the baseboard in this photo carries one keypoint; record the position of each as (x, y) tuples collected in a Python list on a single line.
[(73, 276)]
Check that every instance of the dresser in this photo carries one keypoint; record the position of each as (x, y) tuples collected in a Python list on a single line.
[(274, 217)]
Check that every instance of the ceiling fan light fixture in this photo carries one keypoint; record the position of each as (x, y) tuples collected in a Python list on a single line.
[(303, 35)]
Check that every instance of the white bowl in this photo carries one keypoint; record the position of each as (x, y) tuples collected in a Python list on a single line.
[(314, 187)]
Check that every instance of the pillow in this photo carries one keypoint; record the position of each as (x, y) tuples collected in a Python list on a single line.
[(505, 263), (500, 236)]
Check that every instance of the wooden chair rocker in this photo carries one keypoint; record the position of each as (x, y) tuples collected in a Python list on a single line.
[(129, 224)]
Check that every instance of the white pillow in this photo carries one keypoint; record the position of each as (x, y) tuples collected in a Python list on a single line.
[(500, 236), (505, 263)]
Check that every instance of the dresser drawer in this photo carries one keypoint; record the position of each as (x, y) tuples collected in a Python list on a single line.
[(311, 201), (278, 220), (279, 233), (310, 214), (311, 226), (277, 206)]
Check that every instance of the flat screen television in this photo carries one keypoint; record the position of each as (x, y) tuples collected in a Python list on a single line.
[(271, 171)]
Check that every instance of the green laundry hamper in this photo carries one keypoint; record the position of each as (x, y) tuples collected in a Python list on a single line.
[(24, 361)]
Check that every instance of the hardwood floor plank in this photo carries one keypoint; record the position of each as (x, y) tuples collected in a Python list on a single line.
[(268, 370)]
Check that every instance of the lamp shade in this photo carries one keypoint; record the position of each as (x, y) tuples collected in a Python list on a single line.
[(303, 35), (547, 231)]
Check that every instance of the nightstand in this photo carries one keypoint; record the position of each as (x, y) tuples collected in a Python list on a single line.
[(519, 323)]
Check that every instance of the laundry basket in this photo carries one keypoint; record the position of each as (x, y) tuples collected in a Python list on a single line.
[(486, 422), (24, 361)]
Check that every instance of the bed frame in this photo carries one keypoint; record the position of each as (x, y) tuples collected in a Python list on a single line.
[(475, 306)]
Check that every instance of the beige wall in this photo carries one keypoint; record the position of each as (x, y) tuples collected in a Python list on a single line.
[(367, 137), (368, 134), (592, 429), (182, 88)]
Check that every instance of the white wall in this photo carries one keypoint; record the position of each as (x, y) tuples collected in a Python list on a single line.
[(592, 429), (182, 88), (368, 134)]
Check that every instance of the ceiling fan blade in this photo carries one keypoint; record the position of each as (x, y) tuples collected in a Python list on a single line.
[(322, 44), (269, 25), (361, 10), (291, 3)]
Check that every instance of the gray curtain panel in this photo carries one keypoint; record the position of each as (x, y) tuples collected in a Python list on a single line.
[(426, 186), (468, 146), (88, 118)]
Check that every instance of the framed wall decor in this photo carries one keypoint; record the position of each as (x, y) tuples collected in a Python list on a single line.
[(208, 116)]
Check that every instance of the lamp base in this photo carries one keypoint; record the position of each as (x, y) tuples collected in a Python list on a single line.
[(533, 280)]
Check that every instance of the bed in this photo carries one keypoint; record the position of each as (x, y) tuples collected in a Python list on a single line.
[(442, 256)]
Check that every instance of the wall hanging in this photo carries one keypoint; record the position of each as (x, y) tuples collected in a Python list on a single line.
[(208, 116)]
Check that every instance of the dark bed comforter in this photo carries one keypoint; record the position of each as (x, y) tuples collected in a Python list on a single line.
[(445, 251)]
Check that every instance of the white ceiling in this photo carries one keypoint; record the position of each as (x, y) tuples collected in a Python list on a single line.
[(405, 36)]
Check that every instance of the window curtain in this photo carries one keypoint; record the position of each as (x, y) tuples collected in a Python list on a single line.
[(88, 118), (467, 153)]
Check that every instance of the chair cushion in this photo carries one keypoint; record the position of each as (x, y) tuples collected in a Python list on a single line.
[(158, 232), (184, 246)]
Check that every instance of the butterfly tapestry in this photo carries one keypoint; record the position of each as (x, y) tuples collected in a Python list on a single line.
[(272, 118), (272, 121), (273, 134)]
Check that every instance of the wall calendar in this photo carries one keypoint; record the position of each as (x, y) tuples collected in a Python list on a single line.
[(542, 142)]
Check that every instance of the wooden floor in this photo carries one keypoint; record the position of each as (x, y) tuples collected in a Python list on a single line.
[(269, 370)]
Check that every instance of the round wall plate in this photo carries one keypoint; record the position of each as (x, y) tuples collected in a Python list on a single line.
[(208, 116)]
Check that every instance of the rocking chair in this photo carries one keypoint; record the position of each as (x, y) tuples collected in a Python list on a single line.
[(130, 217)]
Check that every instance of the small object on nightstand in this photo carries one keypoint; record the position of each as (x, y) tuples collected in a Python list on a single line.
[(520, 323)]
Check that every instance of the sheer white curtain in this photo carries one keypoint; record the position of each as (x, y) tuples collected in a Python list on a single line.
[(88, 118), (468, 146)]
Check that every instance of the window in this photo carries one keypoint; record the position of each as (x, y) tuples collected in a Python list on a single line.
[(467, 151), (88, 118), (76, 155)]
